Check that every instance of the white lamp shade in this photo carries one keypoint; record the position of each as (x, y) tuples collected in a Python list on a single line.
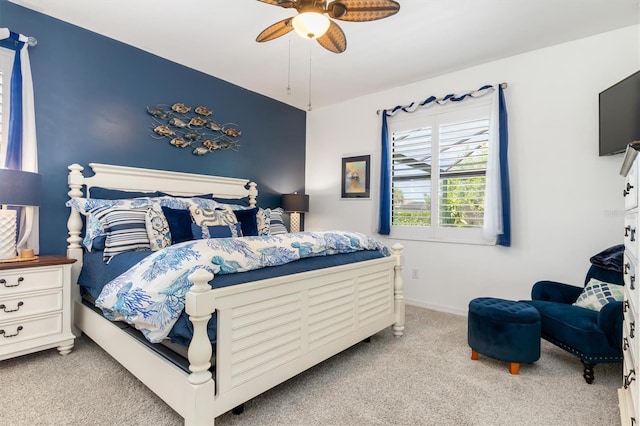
[(311, 24)]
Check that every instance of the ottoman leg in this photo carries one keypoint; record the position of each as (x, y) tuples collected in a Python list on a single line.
[(474, 354), (514, 368)]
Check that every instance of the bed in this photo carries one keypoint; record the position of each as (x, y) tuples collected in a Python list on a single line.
[(321, 312)]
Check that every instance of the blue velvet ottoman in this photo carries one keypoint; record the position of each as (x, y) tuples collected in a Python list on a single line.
[(505, 330)]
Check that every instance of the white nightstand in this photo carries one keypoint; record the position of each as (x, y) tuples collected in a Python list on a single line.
[(35, 306)]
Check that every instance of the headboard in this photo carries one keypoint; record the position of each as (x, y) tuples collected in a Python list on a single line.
[(138, 179)]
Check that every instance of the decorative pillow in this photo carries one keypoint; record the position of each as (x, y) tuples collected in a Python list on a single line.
[(179, 221), (248, 220), (276, 222), (116, 194), (95, 228), (206, 196), (262, 222), (85, 205), (157, 226), (183, 203), (217, 231), (98, 243), (239, 202), (596, 294), (212, 217), (125, 230)]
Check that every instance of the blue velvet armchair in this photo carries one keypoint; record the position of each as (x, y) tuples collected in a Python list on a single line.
[(593, 336)]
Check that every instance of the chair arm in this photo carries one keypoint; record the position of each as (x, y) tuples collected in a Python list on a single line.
[(552, 291), (610, 322)]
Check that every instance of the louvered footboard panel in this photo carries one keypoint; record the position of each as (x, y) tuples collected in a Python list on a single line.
[(269, 333), (265, 335)]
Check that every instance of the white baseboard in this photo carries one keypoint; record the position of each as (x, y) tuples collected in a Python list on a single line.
[(435, 307)]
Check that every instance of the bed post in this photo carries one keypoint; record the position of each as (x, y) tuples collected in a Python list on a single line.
[(398, 290), (253, 194), (75, 180), (200, 351)]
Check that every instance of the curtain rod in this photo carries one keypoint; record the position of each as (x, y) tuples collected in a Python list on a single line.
[(503, 85), (6, 33)]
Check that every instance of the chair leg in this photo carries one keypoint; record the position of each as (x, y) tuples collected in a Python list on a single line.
[(474, 354), (514, 368), (588, 372)]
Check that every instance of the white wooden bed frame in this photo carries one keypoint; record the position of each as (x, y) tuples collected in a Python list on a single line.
[(268, 331)]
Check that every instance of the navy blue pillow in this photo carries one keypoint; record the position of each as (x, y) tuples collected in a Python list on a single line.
[(244, 202), (101, 193), (206, 196), (179, 224), (248, 221), (216, 231), (99, 243)]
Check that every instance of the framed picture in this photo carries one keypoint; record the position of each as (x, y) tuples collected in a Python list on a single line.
[(356, 172)]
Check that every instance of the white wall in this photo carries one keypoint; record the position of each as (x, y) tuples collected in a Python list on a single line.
[(566, 201)]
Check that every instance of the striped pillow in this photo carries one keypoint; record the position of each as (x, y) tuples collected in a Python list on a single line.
[(276, 221), (125, 229)]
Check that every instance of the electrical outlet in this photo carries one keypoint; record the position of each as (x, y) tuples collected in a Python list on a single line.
[(414, 274)]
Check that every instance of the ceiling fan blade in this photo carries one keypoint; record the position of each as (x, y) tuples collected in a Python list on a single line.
[(362, 10), (334, 39), (276, 30), (281, 3)]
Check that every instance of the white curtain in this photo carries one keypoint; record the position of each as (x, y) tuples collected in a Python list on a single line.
[(492, 200), (28, 234)]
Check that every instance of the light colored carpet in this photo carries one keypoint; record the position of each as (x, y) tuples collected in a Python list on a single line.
[(424, 378)]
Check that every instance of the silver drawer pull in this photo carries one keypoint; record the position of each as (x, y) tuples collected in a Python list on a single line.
[(632, 282), (6, 336), (6, 311), (632, 327), (4, 282), (625, 345), (625, 306)]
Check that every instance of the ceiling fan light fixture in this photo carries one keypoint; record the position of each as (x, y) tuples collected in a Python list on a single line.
[(311, 25)]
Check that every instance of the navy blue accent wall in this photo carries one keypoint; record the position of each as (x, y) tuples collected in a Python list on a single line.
[(91, 94)]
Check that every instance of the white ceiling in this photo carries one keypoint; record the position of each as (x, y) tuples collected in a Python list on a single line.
[(426, 38)]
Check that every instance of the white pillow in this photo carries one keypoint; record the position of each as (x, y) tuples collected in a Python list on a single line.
[(157, 228), (596, 294)]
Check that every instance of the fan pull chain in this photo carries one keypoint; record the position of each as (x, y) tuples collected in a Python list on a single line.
[(309, 106), (289, 69)]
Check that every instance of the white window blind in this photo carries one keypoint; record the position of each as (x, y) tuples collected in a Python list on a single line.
[(463, 165), (1, 111), (445, 202)]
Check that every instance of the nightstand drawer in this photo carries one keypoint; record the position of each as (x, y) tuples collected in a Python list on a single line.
[(16, 307), (22, 280), (31, 328)]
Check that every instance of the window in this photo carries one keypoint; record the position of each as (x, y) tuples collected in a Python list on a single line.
[(438, 173), (1, 115)]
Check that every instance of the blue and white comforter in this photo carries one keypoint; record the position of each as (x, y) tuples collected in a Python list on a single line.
[(151, 294)]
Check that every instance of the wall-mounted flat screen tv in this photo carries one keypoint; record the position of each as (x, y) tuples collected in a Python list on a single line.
[(620, 115)]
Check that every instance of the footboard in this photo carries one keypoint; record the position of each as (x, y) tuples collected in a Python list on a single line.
[(271, 330)]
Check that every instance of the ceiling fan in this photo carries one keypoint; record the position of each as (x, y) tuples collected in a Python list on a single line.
[(311, 22)]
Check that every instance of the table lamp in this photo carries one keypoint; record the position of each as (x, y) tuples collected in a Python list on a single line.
[(17, 188), (295, 204)]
